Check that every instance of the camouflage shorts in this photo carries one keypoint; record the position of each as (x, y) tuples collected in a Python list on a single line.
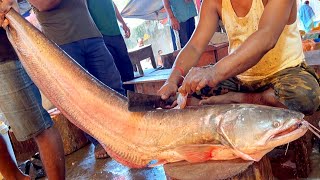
[(296, 87)]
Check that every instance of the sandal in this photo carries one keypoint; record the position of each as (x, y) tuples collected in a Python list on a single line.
[(33, 167), (100, 152)]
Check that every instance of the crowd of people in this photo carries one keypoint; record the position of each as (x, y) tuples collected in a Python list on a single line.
[(265, 64)]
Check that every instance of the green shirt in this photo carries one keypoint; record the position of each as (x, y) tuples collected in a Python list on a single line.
[(104, 15), (183, 10)]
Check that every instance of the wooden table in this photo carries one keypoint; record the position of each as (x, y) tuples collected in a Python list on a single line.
[(313, 59), (138, 54), (150, 83), (212, 54)]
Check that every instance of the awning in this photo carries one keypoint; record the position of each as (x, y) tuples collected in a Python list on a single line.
[(144, 9)]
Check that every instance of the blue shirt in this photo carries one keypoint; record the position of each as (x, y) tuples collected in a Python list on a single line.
[(306, 15), (183, 10)]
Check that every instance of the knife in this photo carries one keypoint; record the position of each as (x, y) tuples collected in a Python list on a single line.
[(138, 102)]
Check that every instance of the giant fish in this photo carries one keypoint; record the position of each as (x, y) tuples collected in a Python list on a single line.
[(195, 134)]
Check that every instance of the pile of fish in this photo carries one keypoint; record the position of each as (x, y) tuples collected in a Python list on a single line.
[(197, 134)]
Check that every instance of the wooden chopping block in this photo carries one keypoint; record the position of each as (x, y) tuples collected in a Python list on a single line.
[(23, 150), (233, 170), (72, 137)]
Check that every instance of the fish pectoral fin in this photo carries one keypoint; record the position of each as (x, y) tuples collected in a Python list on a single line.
[(257, 156), (197, 153)]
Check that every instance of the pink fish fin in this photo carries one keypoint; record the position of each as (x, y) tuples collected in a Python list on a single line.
[(257, 156), (160, 162), (197, 153), (243, 155)]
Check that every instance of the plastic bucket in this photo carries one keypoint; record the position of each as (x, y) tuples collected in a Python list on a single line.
[(4, 132)]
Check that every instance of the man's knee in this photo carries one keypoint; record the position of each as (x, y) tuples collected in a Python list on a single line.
[(50, 132), (307, 103)]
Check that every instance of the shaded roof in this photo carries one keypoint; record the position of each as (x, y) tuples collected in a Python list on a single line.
[(144, 9)]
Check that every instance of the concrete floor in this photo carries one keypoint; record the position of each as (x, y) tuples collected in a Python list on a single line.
[(83, 165)]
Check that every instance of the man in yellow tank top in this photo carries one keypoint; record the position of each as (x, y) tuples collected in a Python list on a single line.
[(265, 64)]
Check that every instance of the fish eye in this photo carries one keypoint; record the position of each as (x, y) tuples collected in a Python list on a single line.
[(276, 124)]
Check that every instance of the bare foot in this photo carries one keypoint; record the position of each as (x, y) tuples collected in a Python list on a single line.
[(100, 152)]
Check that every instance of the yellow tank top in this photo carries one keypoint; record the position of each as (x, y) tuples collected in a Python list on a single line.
[(287, 52)]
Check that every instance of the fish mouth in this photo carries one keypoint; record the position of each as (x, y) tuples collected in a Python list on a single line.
[(296, 129)]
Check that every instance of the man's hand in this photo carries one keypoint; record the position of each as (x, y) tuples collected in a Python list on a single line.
[(3, 22), (126, 30), (167, 90), (198, 78), (175, 23), (5, 6)]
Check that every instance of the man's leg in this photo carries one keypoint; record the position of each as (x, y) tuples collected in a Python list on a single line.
[(100, 64), (294, 88), (267, 97), (173, 38), (190, 26), (51, 151), (119, 52), (8, 167), (20, 101), (186, 30), (183, 33)]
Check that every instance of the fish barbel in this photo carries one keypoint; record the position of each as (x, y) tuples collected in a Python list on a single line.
[(197, 134)]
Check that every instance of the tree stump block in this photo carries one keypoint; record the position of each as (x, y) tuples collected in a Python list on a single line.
[(72, 137), (23, 150), (237, 169)]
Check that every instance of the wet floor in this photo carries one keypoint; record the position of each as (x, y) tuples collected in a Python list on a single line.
[(83, 165)]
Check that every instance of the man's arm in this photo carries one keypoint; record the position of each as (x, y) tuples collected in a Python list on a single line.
[(120, 19), (174, 22), (190, 54), (44, 5), (274, 18)]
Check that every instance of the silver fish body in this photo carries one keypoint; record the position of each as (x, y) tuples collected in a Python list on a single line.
[(194, 134)]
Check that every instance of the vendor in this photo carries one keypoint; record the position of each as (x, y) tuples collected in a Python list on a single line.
[(265, 64), (20, 102)]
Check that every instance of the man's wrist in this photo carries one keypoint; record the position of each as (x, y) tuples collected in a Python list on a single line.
[(175, 78), (217, 76)]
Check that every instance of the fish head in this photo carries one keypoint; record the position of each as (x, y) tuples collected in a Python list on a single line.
[(254, 126)]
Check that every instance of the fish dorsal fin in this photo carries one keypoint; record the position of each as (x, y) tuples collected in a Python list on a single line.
[(197, 153)]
